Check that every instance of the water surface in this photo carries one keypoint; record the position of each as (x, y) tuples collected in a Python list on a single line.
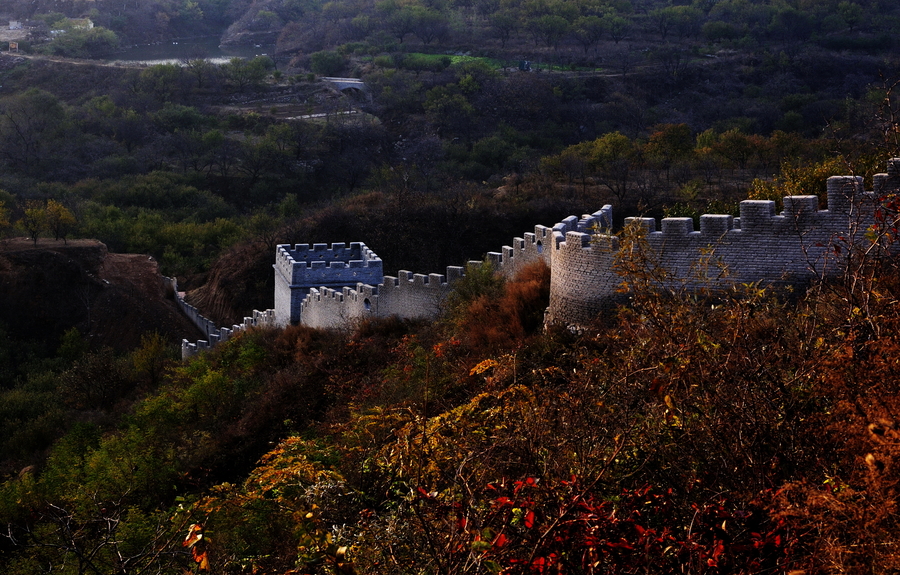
[(181, 50)]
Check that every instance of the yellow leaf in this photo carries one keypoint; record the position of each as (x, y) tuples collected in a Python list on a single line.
[(483, 367), (669, 403)]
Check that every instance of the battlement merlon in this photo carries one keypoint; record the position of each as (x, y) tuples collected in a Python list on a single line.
[(598, 222), (843, 192), (883, 183)]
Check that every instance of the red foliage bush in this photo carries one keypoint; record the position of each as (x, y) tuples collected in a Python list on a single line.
[(493, 322)]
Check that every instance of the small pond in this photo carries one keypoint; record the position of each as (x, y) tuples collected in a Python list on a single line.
[(179, 50)]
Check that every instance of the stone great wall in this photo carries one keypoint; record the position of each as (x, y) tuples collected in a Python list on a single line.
[(332, 286)]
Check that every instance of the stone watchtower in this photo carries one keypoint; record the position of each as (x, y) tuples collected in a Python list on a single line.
[(302, 267)]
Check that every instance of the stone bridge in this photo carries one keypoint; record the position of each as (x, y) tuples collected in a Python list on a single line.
[(343, 84)]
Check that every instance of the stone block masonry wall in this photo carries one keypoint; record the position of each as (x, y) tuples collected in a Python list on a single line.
[(414, 296), (537, 246), (215, 334), (793, 247), (409, 296), (327, 287), (301, 268), (257, 319)]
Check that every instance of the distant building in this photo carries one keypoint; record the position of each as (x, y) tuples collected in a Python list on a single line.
[(26, 24)]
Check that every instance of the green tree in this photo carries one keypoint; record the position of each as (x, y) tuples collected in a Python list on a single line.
[(736, 147), (668, 144), (430, 25), (33, 125), (572, 163), (242, 73), (611, 159), (686, 21), (152, 358), (799, 180), (203, 71), (851, 12), (34, 219), (449, 108), (588, 30), (327, 62), (96, 381), (549, 29), (402, 22), (165, 82), (82, 43), (60, 220), (257, 156), (190, 12), (618, 28), (52, 19), (72, 346), (662, 20), (790, 24), (504, 24)]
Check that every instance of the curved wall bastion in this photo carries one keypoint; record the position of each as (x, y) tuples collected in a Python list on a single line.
[(332, 286)]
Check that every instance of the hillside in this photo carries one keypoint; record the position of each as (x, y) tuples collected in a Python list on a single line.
[(751, 431), (112, 299), (741, 433)]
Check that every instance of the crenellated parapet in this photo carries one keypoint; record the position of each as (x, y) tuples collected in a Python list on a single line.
[(305, 264), (540, 244), (793, 247), (790, 247), (303, 267), (409, 296), (888, 181), (257, 319), (330, 286), (214, 334)]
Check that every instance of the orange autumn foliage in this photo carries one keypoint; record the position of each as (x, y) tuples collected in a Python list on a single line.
[(491, 323)]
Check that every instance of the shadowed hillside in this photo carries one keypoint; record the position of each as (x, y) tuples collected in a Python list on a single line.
[(112, 299)]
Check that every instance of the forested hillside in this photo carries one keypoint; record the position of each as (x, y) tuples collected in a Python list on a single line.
[(741, 433), (751, 431)]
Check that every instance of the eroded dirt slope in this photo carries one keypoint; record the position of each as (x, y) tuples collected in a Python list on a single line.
[(240, 281)]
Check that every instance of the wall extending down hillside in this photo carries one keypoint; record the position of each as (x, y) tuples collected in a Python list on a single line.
[(330, 287), (215, 334)]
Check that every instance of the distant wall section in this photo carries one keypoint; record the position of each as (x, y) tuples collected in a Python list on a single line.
[(214, 334)]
